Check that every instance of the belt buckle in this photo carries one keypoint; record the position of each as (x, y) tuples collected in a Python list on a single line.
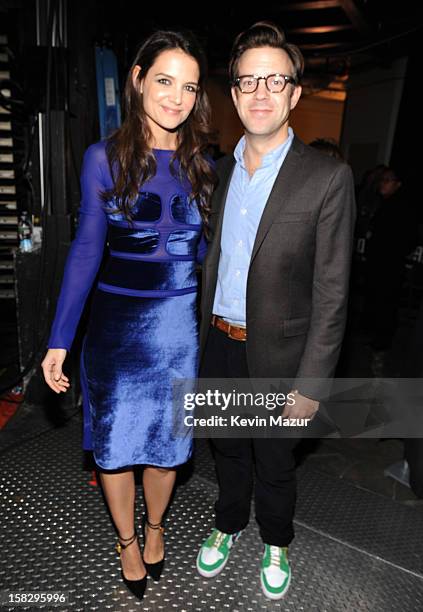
[(233, 337)]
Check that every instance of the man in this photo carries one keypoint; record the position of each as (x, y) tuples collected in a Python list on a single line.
[(275, 285)]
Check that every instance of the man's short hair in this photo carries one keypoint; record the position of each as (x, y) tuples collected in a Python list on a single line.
[(265, 34)]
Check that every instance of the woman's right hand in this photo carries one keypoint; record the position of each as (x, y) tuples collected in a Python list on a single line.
[(52, 369)]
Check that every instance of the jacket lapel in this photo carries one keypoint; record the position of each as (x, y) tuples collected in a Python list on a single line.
[(284, 188)]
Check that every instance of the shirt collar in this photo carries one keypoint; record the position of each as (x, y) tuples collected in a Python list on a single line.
[(273, 158)]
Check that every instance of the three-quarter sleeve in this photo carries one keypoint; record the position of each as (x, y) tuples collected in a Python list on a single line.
[(86, 251)]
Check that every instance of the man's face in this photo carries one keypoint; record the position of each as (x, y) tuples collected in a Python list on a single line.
[(264, 113), (389, 185)]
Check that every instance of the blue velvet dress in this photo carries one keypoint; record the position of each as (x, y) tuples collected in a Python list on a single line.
[(143, 331)]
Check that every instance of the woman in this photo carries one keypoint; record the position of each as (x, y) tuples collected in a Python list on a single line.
[(147, 188)]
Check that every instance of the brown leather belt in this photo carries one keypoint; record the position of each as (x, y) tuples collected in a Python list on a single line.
[(235, 332)]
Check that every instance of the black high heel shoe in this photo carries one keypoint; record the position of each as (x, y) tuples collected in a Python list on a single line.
[(153, 569), (137, 587)]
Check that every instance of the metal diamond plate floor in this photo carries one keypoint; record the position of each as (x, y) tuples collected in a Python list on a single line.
[(353, 549)]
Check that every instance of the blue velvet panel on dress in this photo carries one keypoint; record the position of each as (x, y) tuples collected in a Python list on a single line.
[(135, 348), (143, 329)]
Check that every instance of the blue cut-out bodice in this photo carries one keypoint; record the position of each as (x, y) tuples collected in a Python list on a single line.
[(154, 255)]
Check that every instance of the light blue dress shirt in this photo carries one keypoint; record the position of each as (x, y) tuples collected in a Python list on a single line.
[(244, 207)]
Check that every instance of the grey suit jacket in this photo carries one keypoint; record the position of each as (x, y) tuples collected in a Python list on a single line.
[(298, 278)]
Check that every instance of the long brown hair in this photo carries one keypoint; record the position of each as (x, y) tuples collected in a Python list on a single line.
[(131, 160)]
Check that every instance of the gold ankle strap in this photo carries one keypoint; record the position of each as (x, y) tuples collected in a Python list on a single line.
[(120, 546), (155, 526)]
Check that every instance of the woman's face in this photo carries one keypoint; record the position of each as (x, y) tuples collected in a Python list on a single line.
[(169, 90)]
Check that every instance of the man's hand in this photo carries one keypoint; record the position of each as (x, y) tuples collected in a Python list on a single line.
[(303, 408)]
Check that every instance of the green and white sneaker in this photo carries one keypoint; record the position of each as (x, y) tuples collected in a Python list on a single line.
[(275, 574), (214, 553)]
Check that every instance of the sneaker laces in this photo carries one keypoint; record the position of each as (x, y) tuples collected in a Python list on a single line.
[(275, 553), (217, 538)]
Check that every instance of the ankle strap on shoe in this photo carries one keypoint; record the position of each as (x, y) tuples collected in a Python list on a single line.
[(155, 525), (120, 546)]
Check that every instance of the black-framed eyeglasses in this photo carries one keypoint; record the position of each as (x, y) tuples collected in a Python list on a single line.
[(275, 83)]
